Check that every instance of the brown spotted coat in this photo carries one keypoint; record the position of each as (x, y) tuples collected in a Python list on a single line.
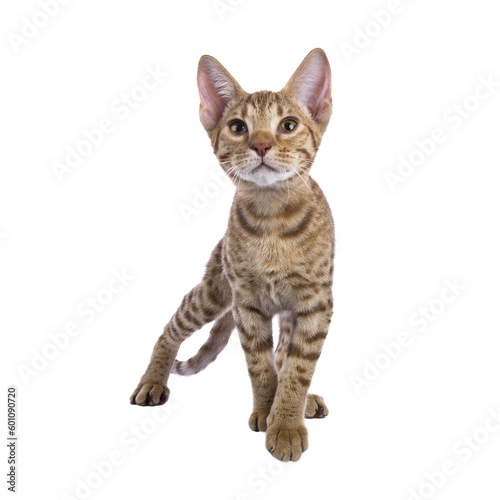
[(276, 257)]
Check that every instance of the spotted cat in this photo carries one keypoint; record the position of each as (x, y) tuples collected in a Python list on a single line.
[(276, 257)]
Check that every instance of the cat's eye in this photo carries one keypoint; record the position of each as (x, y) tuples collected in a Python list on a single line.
[(288, 125), (238, 127)]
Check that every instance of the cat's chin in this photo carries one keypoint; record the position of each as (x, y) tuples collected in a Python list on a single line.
[(266, 177)]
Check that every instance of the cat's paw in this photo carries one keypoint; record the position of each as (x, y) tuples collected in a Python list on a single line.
[(286, 441), (258, 421), (315, 407), (147, 394)]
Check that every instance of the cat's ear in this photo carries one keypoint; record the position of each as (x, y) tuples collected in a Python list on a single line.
[(311, 85), (217, 89)]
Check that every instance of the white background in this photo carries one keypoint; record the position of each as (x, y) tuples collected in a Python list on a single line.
[(121, 209)]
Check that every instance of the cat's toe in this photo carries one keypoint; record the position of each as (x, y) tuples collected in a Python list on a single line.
[(150, 395), (286, 442), (315, 407), (258, 421)]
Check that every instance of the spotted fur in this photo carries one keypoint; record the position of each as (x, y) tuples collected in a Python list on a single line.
[(275, 258)]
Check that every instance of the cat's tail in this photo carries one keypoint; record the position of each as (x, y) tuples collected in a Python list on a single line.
[(217, 340)]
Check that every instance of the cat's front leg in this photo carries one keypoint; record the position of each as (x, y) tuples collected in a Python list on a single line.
[(286, 436), (255, 331)]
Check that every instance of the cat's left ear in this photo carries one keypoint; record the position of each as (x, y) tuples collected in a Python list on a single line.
[(217, 89), (311, 85)]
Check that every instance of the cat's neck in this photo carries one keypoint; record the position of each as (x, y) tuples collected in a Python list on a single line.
[(274, 200)]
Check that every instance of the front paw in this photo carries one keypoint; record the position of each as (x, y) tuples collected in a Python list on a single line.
[(286, 441), (150, 394)]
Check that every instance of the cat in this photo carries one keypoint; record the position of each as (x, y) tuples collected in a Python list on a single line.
[(275, 258)]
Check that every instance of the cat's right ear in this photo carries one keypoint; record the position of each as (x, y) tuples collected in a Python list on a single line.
[(217, 89)]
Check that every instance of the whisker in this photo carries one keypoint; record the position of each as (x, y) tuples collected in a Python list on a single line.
[(300, 158), (307, 185), (233, 177), (232, 169), (234, 157), (239, 182), (302, 169)]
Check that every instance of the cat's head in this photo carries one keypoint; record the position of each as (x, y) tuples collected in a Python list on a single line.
[(266, 137)]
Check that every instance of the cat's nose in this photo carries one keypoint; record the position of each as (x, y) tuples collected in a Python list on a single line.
[(261, 148)]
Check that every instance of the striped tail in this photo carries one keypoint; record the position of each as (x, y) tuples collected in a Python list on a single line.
[(217, 340)]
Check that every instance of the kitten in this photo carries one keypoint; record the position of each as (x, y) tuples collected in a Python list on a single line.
[(275, 258)]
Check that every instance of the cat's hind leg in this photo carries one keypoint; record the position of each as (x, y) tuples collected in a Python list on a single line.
[(204, 303), (286, 323), (315, 407)]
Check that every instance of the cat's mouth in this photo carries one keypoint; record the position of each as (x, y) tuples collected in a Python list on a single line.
[(263, 167), (265, 175)]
